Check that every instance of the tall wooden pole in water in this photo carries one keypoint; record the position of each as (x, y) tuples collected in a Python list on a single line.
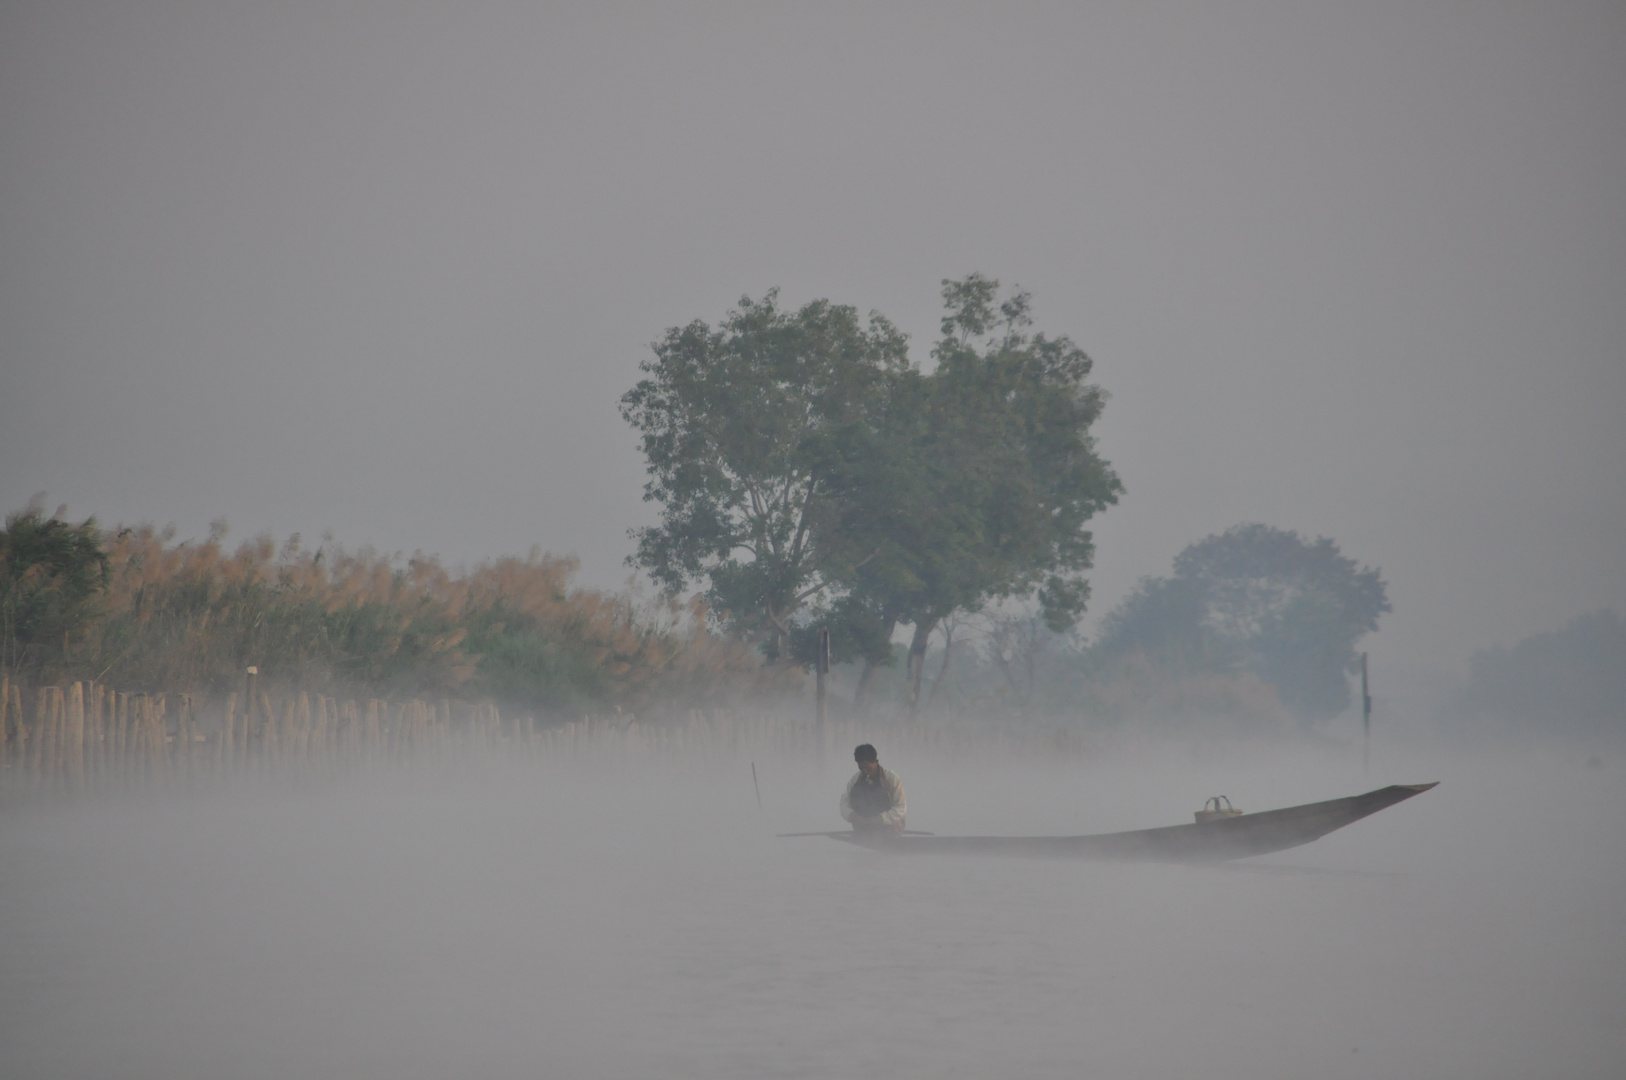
[(822, 667), (1366, 720)]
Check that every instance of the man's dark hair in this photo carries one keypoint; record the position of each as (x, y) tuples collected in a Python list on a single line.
[(866, 752)]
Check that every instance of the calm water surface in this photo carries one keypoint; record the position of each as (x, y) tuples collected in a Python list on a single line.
[(644, 921)]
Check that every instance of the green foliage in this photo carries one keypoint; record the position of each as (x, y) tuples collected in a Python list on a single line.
[(857, 633), (51, 576), (811, 475), (519, 660), (1167, 618), (1258, 599), (1566, 681), (996, 474), (749, 430)]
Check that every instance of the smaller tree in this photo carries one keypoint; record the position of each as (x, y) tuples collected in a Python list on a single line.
[(51, 573), (1260, 599), (1569, 681), (1166, 619)]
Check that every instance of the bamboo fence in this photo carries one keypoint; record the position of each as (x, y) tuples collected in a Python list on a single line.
[(88, 734)]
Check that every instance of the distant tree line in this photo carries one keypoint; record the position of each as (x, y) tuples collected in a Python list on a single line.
[(1256, 599), (1256, 626), (1567, 682), (1253, 621)]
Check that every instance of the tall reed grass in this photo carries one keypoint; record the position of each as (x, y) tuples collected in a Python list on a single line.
[(89, 736), (363, 623)]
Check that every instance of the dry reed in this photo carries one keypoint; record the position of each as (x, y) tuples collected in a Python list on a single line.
[(136, 738)]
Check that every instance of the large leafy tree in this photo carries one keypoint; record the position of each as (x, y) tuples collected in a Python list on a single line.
[(811, 474), (1258, 598), (999, 475), (751, 430)]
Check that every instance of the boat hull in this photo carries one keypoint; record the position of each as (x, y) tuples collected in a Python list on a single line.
[(1211, 841)]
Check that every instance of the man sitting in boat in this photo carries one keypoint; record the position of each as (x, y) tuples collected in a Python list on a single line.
[(873, 800)]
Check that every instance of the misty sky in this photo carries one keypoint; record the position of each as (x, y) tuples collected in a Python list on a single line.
[(384, 268)]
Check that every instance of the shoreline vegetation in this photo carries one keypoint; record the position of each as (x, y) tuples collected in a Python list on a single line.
[(88, 736), (129, 643), (182, 621), (133, 608), (174, 625)]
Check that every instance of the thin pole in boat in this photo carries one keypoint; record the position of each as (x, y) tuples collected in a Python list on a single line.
[(1366, 720)]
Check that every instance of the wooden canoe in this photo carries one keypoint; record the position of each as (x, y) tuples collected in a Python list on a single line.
[(1232, 837)]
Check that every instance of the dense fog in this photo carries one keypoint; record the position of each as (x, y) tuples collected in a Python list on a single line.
[(641, 918), (1100, 392)]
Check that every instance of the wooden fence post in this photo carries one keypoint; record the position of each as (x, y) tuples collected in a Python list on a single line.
[(225, 744), (319, 737), (183, 731), (22, 726), (53, 727), (302, 720), (93, 711), (270, 737), (251, 698), (73, 730)]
